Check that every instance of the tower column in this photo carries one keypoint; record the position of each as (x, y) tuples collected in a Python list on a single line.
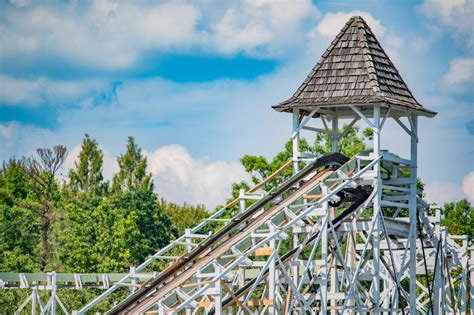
[(377, 210), (296, 140), (413, 209), (335, 135)]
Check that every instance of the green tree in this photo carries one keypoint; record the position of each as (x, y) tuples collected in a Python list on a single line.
[(132, 173), (114, 233), (18, 226), (459, 218), (351, 144), (183, 216), (42, 171), (87, 175), (260, 167)]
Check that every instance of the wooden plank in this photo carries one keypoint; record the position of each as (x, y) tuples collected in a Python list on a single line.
[(313, 196), (260, 303), (269, 178), (263, 182), (195, 284), (205, 304), (264, 251)]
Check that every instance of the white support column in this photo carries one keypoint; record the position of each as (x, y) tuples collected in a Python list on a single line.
[(324, 257), (187, 239), (333, 280), (376, 205), (333, 273), (444, 278), (386, 300), (296, 140), (53, 293), (271, 277), (33, 301), (133, 279), (351, 258), (242, 205), (465, 269), (217, 298), (471, 270), (437, 272), (335, 134), (295, 268), (413, 211)]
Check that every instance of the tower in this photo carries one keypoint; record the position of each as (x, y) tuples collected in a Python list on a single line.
[(356, 81)]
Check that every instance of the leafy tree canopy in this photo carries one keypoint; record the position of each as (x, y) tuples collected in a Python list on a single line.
[(132, 173), (87, 175), (260, 167), (459, 218)]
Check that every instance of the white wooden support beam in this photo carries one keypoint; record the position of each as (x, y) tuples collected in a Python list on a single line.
[(303, 123), (296, 140), (348, 127), (385, 117), (358, 112), (413, 211)]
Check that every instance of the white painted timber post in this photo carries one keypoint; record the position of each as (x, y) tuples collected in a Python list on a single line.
[(471, 271), (437, 272), (33, 300), (324, 256), (351, 258), (53, 297), (334, 144), (376, 206), (271, 277), (188, 239), (296, 140), (444, 278), (242, 203), (295, 267), (464, 270), (413, 210), (217, 298), (133, 279), (335, 134)]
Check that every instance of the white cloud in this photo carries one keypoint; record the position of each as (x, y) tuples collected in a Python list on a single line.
[(332, 23), (457, 17), (102, 34), (178, 176), (443, 192), (20, 3), (468, 185), (251, 25), (107, 34), (42, 90), (20, 140), (181, 178), (460, 71), (456, 14)]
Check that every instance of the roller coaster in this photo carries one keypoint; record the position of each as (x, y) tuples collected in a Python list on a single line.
[(340, 235)]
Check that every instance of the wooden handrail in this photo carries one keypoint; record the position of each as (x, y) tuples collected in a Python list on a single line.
[(263, 182)]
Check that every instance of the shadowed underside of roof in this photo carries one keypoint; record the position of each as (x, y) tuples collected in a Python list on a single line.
[(356, 71)]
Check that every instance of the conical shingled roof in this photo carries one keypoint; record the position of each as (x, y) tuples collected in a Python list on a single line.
[(354, 70)]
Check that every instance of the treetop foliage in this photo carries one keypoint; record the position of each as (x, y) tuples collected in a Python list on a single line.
[(132, 174), (87, 175)]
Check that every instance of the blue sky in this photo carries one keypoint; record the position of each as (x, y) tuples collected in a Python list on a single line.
[(193, 81)]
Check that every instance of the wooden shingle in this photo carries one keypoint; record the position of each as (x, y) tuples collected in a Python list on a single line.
[(354, 70)]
